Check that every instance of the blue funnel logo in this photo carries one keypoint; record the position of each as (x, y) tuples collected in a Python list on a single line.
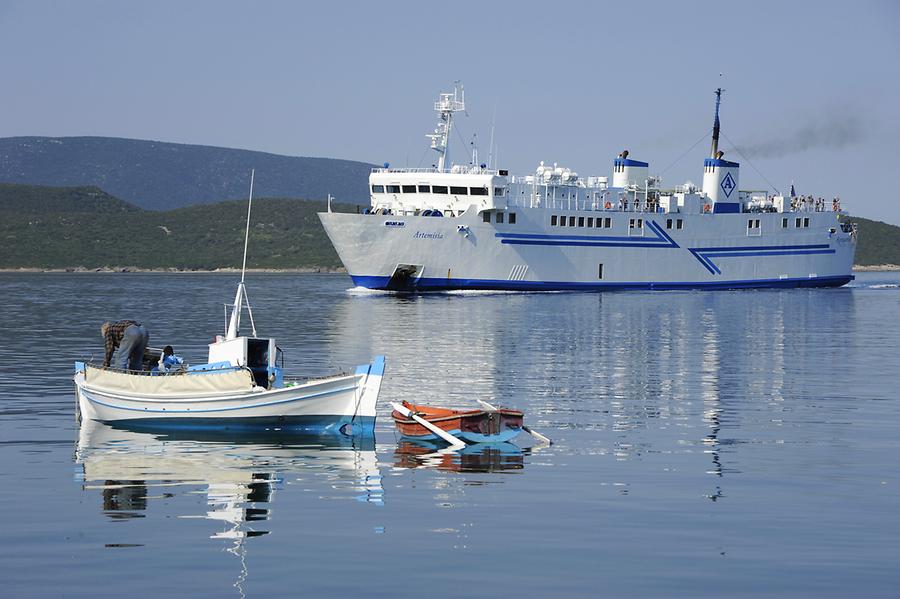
[(727, 185)]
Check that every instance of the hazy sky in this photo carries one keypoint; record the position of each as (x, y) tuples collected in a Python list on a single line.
[(812, 88)]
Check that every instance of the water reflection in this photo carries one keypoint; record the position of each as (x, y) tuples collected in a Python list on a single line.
[(494, 457), (240, 476)]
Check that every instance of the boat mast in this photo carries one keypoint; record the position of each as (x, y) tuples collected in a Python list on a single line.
[(447, 104), (234, 325), (715, 136)]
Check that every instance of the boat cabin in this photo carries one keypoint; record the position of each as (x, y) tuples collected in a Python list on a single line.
[(259, 355)]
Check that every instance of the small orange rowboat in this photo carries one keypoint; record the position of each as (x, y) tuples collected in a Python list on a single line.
[(472, 426)]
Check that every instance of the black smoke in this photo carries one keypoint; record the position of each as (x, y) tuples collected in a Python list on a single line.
[(831, 132)]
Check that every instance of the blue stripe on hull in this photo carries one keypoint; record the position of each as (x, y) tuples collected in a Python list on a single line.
[(441, 284), (305, 425), (469, 437)]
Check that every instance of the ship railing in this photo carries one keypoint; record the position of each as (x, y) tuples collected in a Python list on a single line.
[(456, 170), (585, 205)]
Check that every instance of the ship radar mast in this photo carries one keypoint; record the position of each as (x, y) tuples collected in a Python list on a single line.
[(448, 103), (715, 136)]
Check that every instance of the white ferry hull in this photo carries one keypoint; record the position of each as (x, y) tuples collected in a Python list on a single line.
[(711, 251)]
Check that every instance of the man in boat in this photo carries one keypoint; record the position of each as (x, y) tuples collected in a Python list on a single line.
[(131, 339)]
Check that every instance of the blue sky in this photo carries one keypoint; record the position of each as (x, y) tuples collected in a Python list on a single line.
[(811, 87)]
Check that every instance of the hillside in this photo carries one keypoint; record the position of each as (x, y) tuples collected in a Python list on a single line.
[(85, 227), (64, 227), (879, 243), (161, 176)]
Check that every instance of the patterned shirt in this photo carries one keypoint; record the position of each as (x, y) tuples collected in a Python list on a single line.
[(113, 338)]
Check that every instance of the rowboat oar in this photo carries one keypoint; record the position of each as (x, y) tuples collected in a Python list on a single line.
[(453, 441), (527, 429)]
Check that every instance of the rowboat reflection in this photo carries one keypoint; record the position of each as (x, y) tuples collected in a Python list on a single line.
[(493, 457)]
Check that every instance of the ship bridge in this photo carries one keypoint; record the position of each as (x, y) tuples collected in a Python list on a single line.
[(411, 191)]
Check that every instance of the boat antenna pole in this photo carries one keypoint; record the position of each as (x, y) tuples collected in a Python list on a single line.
[(447, 104), (240, 297), (715, 136)]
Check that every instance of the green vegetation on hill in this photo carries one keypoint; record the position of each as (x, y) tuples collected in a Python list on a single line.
[(157, 175), (43, 227), (70, 227), (879, 243)]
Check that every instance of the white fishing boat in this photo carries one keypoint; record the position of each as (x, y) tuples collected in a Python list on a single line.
[(242, 386)]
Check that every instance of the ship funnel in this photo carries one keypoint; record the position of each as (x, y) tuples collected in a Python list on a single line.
[(720, 176), (629, 172)]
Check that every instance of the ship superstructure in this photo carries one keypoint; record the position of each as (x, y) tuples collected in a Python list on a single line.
[(468, 226)]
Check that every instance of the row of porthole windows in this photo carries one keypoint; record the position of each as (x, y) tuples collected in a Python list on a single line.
[(438, 189), (580, 221), (498, 217)]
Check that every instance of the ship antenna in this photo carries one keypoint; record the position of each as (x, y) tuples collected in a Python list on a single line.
[(715, 135), (241, 297), (491, 146), (447, 104)]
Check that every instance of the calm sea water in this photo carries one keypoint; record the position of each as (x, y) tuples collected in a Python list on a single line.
[(706, 444)]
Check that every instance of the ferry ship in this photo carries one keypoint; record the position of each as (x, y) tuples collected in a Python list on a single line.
[(467, 226)]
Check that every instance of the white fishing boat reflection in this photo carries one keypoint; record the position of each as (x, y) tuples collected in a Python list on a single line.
[(240, 474)]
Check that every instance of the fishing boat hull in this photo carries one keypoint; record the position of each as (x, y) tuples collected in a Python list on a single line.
[(471, 426), (340, 405)]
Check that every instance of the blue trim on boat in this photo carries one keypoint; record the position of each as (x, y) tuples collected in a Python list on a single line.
[(210, 410), (375, 368), (661, 239), (720, 162), (629, 162), (443, 284), (470, 437), (346, 426), (703, 255), (726, 208)]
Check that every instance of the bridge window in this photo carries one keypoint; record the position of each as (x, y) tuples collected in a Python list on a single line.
[(512, 218), (409, 189), (378, 189), (478, 191), (393, 189), (553, 220), (460, 191), (438, 189), (424, 189), (499, 217)]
